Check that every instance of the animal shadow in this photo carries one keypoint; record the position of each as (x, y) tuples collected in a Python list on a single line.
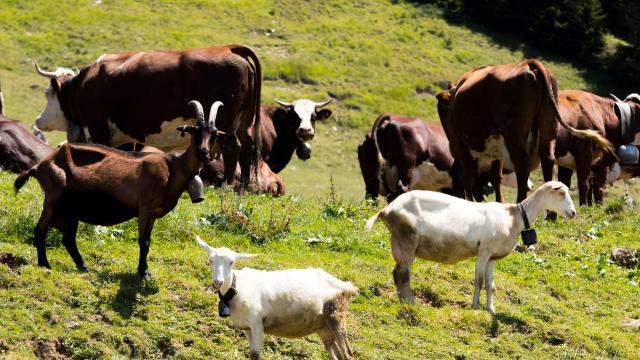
[(132, 290), (516, 325)]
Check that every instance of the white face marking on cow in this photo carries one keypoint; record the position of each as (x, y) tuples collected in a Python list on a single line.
[(168, 139), (632, 97), (427, 177), (304, 109), (52, 118)]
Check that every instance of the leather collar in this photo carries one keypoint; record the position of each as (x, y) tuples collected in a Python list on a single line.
[(524, 216), (625, 115), (226, 298)]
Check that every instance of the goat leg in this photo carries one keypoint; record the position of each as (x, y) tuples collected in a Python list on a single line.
[(256, 337), (488, 280), (70, 229), (481, 265), (144, 241)]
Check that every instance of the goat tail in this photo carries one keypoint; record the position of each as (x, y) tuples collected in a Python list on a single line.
[(23, 178), (372, 220)]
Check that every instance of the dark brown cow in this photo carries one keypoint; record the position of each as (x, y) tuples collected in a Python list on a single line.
[(19, 148), (508, 114), (288, 129), (268, 182), (141, 96), (404, 153), (583, 110)]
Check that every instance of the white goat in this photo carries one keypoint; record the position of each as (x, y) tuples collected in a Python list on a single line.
[(446, 229), (288, 303)]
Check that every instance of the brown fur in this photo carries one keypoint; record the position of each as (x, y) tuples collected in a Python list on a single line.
[(104, 186), (19, 148)]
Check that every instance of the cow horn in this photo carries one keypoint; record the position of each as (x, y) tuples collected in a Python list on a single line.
[(199, 111), (322, 104), (213, 114), (48, 74), (285, 104), (615, 98)]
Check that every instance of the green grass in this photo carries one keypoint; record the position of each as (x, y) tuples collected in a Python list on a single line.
[(563, 301)]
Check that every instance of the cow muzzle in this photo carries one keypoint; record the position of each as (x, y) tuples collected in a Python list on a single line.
[(305, 134)]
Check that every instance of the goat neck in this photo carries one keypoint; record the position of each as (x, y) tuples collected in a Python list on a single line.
[(532, 206)]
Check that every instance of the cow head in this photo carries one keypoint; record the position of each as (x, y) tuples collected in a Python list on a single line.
[(53, 117), (203, 133), (369, 158), (633, 102), (302, 115)]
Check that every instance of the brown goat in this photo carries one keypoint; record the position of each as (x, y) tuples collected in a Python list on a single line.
[(104, 186)]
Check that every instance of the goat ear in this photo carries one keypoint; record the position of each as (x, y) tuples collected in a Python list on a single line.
[(556, 187), (204, 245), (244, 256)]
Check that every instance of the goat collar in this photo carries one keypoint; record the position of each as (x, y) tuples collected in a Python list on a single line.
[(528, 235), (224, 308)]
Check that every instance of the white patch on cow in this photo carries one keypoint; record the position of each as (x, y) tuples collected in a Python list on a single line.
[(614, 173), (494, 149), (632, 96), (304, 108), (87, 134), (52, 118), (426, 176), (168, 139), (568, 161)]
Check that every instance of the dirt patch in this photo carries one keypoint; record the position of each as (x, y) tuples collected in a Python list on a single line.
[(430, 297), (553, 338), (12, 261), (50, 349), (628, 258)]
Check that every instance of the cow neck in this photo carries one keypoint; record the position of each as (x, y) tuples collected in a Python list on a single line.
[(626, 118), (65, 95)]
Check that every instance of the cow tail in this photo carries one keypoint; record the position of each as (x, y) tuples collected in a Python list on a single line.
[(248, 53), (593, 135), (23, 178), (376, 125)]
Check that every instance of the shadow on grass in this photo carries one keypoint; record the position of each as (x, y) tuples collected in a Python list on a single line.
[(598, 81), (519, 325), (132, 286)]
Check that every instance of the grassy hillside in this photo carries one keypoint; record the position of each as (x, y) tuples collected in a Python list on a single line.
[(372, 55), (566, 300)]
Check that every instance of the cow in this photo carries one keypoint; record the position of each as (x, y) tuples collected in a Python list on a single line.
[(19, 148), (267, 182), (288, 128), (405, 153), (584, 110), (140, 97), (507, 114)]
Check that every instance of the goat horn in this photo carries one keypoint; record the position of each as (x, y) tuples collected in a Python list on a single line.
[(213, 114), (322, 104), (615, 98), (199, 111), (48, 74), (285, 104)]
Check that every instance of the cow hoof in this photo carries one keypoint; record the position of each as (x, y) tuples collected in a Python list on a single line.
[(83, 268), (44, 265), (146, 275)]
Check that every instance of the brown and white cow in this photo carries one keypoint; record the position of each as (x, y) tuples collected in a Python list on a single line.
[(141, 97), (584, 110), (19, 148), (505, 113), (405, 153), (289, 128), (268, 182)]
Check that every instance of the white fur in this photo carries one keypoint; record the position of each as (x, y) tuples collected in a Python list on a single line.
[(52, 118), (427, 177), (632, 96), (167, 139), (286, 303), (447, 229), (494, 149), (304, 108)]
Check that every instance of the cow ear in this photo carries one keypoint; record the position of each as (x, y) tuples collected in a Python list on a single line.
[(323, 114), (444, 97), (279, 113)]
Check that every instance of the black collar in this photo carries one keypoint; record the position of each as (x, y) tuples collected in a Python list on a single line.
[(230, 293), (524, 216)]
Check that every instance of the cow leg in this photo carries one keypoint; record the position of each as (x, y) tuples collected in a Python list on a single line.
[(598, 182), (466, 172), (145, 226), (496, 179), (583, 172), (564, 175)]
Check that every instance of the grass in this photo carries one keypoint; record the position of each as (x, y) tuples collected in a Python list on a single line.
[(566, 300)]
